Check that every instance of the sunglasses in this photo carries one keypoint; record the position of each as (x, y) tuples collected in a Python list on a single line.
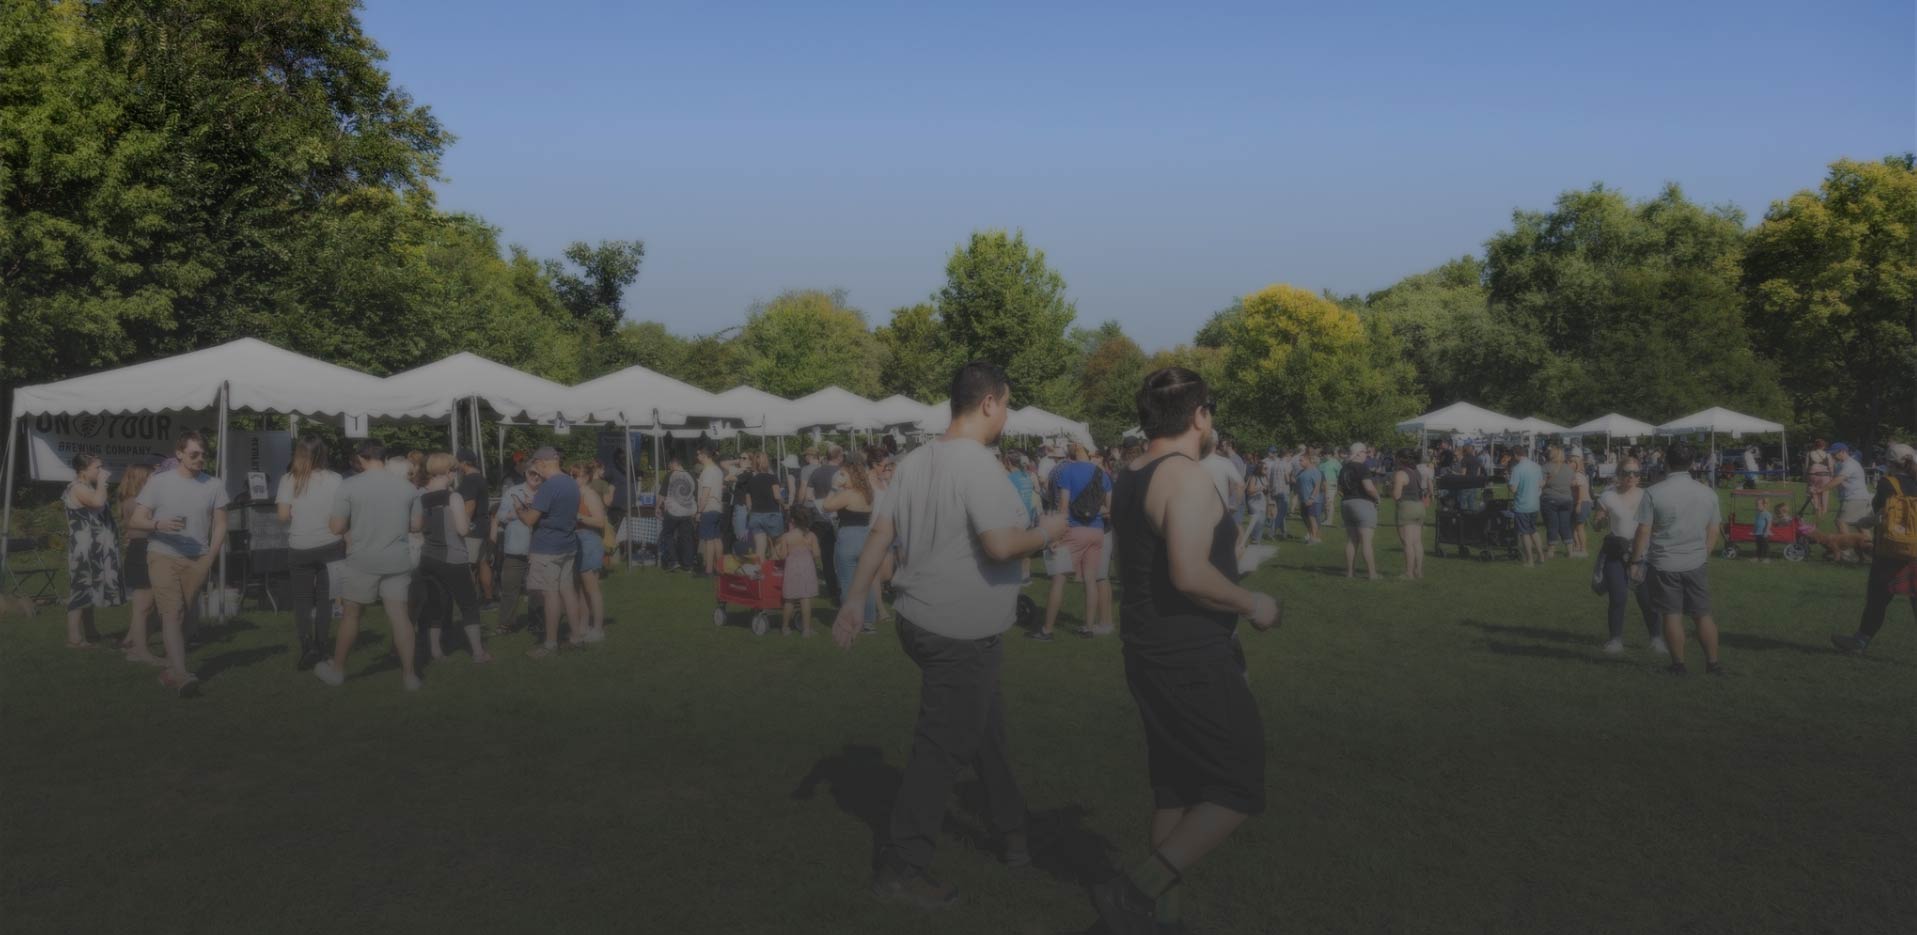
[(192, 454)]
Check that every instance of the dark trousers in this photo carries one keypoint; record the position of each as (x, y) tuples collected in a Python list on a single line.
[(456, 582), (1617, 587), (828, 537), (307, 584), (1282, 511), (1878, 597), (961, 723), (676, 540), (512, 584), (1763, 547)]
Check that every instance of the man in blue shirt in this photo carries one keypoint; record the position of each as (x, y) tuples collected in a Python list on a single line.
[(1311, 495), (1527, 484), (1084, 539), (553, 515)]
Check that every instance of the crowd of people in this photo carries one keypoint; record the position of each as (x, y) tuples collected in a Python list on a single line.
[(1154, 531)]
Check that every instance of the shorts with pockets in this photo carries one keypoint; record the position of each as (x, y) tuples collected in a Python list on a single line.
[(549, 572), (365, 587), (1680, 592), (1204, 738)]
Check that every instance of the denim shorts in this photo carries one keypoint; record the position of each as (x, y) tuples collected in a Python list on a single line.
[(1526, 523), (592, 551), (772, 524), (709, 526)]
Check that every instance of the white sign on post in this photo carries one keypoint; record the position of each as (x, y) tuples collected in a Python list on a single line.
[(354, 426), (561, 427)]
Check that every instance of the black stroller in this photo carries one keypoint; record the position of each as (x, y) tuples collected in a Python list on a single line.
[(1469, 521)]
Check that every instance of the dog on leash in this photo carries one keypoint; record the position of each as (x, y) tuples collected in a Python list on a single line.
[(12, 606)]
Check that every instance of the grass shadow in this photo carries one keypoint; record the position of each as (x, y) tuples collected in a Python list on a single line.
[(238, 659), (1536, 633), (1552, 652), (1766, 644), (861, 784)]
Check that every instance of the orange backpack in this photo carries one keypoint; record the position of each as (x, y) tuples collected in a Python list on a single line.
[(1899, 537)]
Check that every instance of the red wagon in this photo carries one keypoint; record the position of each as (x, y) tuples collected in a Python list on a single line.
[(764, 593), (1793, 536)]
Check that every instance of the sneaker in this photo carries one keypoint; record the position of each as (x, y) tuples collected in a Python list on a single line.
[(593, 636), (1659, 646), (1676, 668), (308, 659), (1124, 908), (1714, 668), (325, 672), (900, 883), (1039, 635), (1103, 629), (1613, 647), (411, 682), (1849, 644), (868, 628), (488, 607)]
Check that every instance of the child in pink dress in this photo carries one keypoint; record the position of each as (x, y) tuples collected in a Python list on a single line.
[(799, 549)]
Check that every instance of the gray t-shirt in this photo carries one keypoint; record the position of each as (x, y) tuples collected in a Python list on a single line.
[(941, 498), (192, 499), (681, 494), (1680, 512), (378, 507)]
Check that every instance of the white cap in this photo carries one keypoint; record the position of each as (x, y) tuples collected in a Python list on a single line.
[(1902, 452)]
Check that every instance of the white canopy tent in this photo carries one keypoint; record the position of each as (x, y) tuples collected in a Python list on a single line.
[(1032, 420), (513, 394), (1462, 418), (902, 412), (245, 375), (1717, 421), (1532, 425), (1612, 426), (834, 409), (760, 409)]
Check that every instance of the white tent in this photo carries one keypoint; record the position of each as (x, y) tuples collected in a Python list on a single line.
[(1462, 419), (834, 409), (1532, 425), (903, 412), (761, 410), (514, 394), (247, 375), (641, 398), (1613, 425), (1717, 421), (1032, 420)]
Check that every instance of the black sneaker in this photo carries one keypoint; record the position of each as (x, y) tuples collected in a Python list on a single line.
[(1039, 635), (1713, 668), (1124, 908), (1848, 644), (1676, 668), (910, 885)]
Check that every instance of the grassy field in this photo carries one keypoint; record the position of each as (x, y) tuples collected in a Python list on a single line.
[(1452, 755)]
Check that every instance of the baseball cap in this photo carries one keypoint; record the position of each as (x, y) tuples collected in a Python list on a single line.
[(466, 456), (1272, 450), (548, 453), (1839, 448)]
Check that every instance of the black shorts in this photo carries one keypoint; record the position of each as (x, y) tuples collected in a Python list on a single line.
[(133, 566), (1204, 739)]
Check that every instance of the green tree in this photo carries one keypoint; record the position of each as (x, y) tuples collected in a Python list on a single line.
[(1111, 369), (1831, 278), (596, 294), (1636, 307), (917, 362), (713, 362), (1298, 366), (1002, 303), (644, 343), (806, 340)]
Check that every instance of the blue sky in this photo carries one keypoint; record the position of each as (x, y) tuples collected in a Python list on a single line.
[(1166, 157)]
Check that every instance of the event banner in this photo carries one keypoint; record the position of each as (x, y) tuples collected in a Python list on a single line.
[(267, 454), (119, 440)]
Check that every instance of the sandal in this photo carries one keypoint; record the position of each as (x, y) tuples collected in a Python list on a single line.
[(186, 688), (83, 644)]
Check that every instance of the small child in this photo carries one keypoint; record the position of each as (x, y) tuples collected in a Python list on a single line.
[(799, 549), (1761, 530)]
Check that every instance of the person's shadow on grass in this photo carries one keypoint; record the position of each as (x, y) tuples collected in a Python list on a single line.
[(864, 786)]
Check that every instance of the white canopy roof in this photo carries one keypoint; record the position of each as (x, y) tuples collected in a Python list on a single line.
[(1613, 424), (1464, 419), (259, 377), (835, 408), (1032, 420), (901, 411), (511, 393), (761, 410), (1538, 426), (1717, 419), (644, 398)]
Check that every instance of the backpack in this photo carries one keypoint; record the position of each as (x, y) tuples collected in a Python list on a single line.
[(1088, 502), (1899, 537)]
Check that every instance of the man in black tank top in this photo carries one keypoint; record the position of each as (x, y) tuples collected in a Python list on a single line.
[(1177, 560)]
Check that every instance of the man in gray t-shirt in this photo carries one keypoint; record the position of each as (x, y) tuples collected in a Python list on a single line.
[(962, 535), (184, 513), (1677, 525), (375, 510)]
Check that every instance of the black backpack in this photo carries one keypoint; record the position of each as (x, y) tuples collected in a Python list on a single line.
[(1086, 505)]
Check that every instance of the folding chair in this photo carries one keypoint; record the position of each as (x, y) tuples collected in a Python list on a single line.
[(29, 571)]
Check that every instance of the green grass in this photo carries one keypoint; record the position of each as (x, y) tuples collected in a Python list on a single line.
[(1453, 755)]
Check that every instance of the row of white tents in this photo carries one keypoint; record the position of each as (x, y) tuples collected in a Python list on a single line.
[(1466, 419)]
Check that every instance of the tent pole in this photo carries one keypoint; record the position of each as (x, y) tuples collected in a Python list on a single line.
[(226, 390), (1784, 439), (625, 448), (479, 450), (6, 513), (452, 427)]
